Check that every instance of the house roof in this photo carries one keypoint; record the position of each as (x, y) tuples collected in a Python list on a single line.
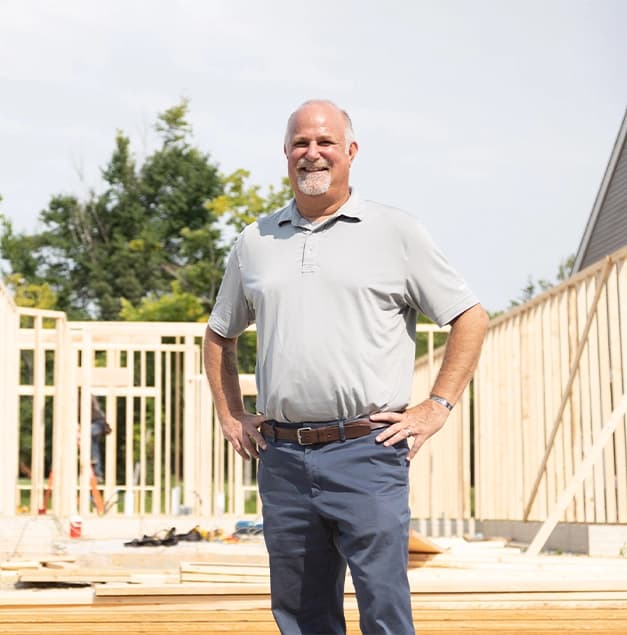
[(606, 230)]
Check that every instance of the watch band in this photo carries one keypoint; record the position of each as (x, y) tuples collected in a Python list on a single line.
[(443, 402)]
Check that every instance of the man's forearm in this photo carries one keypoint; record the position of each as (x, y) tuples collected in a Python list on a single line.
[(462, 353), (220, 359)]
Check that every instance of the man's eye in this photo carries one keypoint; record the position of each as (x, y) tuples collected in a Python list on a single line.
[(300, 144)]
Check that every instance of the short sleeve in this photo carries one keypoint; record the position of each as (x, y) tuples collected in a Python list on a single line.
[(231, 314), (432, 286)]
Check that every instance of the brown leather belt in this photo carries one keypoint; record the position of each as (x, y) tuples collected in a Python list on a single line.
[(307, 435)]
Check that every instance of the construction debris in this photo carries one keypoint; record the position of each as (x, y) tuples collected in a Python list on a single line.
[(169, 537)]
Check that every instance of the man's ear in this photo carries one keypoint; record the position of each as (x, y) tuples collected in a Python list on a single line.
[(285, 150), (352, 150)]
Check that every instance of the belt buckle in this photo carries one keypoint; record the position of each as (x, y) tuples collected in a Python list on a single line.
[(299, 431)]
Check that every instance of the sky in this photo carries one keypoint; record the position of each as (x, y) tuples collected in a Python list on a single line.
[(490, 120)]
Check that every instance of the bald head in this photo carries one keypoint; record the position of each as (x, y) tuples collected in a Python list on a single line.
[(327, 104), (320, 149)]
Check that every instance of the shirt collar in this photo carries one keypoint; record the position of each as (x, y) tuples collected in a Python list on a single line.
[(351, 209)]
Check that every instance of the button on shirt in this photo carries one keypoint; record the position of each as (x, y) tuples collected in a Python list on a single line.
[(335, 303)]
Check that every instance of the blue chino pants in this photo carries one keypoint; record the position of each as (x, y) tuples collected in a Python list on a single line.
[(326, 506)]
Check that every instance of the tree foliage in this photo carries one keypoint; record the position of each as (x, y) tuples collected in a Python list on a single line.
[(31, 294), (241, 204), (176, 306), (150, 227), (150, 246), (535, 287)]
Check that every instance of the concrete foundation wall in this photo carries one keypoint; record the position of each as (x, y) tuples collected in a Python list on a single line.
[(593, 540)]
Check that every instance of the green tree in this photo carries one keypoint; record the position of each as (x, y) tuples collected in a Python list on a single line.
[(151, 245), (241, 203), (136, 237), (535, 287), (31, 294), (19, 252), (176, 306)]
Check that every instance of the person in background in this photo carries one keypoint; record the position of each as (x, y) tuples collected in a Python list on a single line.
[(99, 429)]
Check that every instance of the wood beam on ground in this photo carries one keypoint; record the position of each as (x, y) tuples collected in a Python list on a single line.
[(138, 619)]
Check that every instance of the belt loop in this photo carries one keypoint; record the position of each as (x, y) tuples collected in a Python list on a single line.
[(274, 431), (340, 427)]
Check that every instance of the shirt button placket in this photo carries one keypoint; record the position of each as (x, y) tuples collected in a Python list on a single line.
[(310, 260)]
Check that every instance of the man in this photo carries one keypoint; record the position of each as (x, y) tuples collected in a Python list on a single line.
[(334, 284)]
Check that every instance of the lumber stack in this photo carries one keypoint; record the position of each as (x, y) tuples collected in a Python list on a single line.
[(224, 573), (139, 620), (485, 587), (254, 568), (65, 570)]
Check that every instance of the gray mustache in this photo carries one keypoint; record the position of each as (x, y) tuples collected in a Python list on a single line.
[(308, 164)]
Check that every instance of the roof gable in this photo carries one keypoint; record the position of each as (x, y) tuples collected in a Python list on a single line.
[(606, 230)]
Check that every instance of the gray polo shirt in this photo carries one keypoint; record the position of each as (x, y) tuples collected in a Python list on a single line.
[(335, 305)]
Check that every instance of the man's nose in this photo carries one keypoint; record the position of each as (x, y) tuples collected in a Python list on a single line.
[(313, 152)]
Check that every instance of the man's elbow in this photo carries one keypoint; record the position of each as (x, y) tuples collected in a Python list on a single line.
[(482, 317), (476, 318)]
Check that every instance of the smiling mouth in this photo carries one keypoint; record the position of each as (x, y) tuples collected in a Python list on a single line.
[(309, 167)]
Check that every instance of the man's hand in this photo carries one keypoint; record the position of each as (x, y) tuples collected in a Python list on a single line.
[(242, 432), (420, 422), (460, 359), (239, 427)]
